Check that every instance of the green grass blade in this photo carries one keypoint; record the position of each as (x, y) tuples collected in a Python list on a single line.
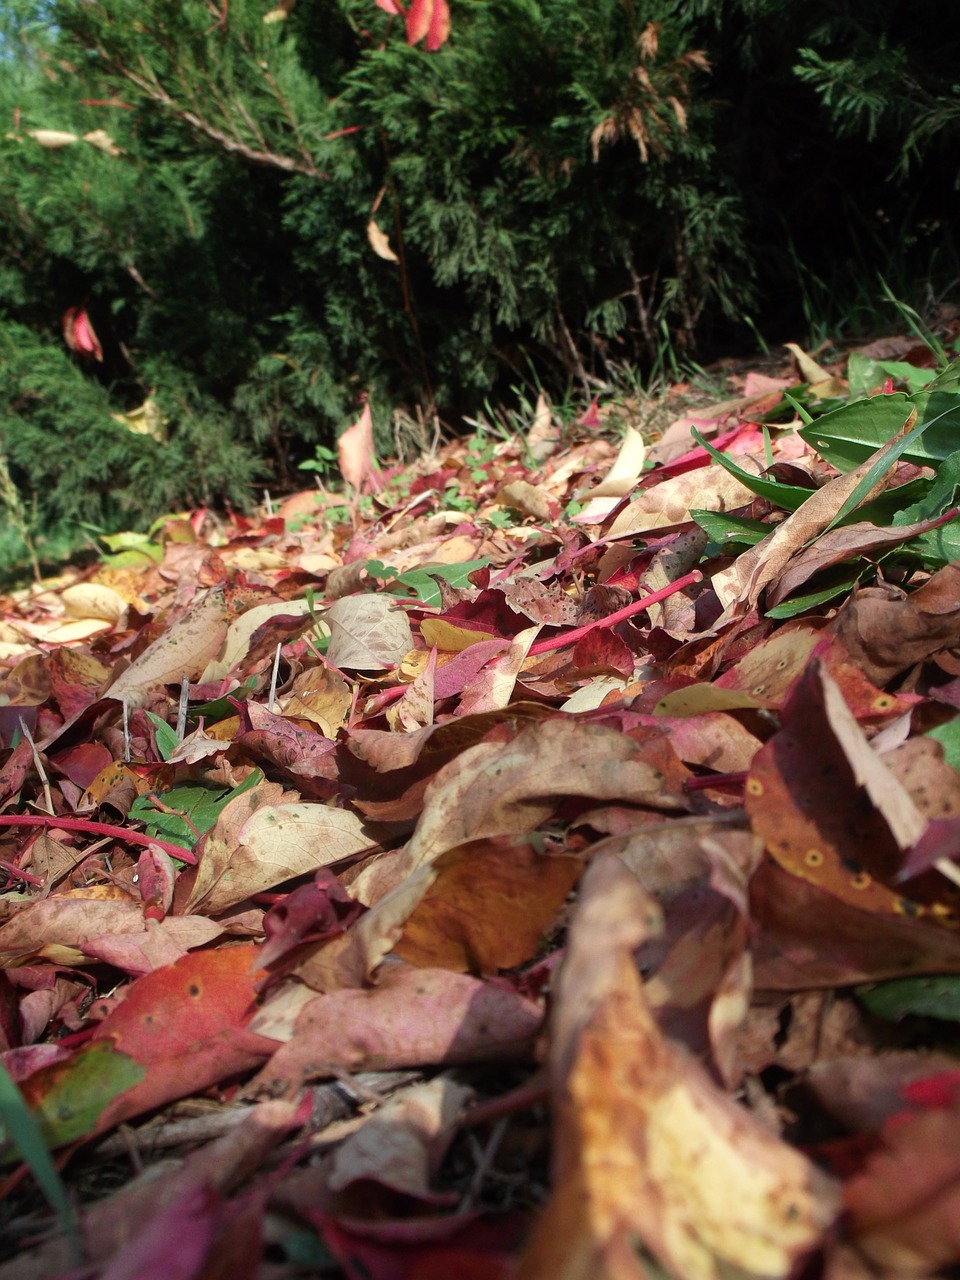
[(22, 1131)]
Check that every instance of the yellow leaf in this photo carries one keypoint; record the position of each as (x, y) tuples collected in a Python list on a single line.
[(379, 243), (52, 138), (100, 139), (449, 638)]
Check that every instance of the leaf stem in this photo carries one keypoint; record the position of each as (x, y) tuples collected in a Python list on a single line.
[(611, 620), (94, 828)]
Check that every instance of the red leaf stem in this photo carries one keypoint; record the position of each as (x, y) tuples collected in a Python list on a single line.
[(96, 829), (611, 620)]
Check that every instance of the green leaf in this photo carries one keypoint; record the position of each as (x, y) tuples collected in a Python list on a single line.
[(948, 735), (421, 581), (730, 531), (848, 435), (890, 506), (798, 604), (866, 374), (940, 495), (165, 736), (788, 496), (871, 477), (939, 547), (931, 997), (197, 805), (221, 708)]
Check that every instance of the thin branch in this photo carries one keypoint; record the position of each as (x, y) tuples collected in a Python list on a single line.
[(264, 159)]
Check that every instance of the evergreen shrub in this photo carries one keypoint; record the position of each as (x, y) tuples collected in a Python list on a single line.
[(270, 213)]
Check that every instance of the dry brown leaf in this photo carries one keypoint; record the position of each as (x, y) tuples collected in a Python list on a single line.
[(489, 906), (183, 649), (647, 1148), (886, 630), (355, 452), (400, 1146), (256, 844), (846, 543), (670, 501), (412, 1017), (367, 633), (493, 789)]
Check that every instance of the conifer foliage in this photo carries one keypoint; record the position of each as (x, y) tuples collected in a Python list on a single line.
[(266, 214)]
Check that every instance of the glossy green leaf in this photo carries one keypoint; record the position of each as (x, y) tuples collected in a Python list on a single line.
[(866, 374), (788, 496), (930, 997), (221, 708), (731, 532), (164, 735), (848, 435), (422, 581), (811, 599)]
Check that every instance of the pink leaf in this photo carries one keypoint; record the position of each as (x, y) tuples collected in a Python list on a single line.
[(355, 451), (79, 334), (430, 18), (439, 25)]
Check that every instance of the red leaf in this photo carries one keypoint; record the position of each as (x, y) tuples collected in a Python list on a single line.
[(313, 913), (186, 1024)]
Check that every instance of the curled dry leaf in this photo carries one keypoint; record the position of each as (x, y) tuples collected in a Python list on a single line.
[(647, 1148), (670, 501), (355, 452), (273, 844), (886, 630), (401, 1145), (379, 243), (367, 633), (492, 789), (53, 139)]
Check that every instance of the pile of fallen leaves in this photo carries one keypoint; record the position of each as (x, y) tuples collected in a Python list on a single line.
[(540, 865)]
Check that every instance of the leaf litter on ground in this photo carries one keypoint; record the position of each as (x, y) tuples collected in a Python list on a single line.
[(537, 862)]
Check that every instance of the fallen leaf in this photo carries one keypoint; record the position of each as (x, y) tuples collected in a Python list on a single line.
[(183, 649), (647, 1148), (412, 1017), (254, 847), (401, 1146), (489, 907), (367, 633), (380, 245), (886, 630), (904, 1208), (355, 451), (742, 584)]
